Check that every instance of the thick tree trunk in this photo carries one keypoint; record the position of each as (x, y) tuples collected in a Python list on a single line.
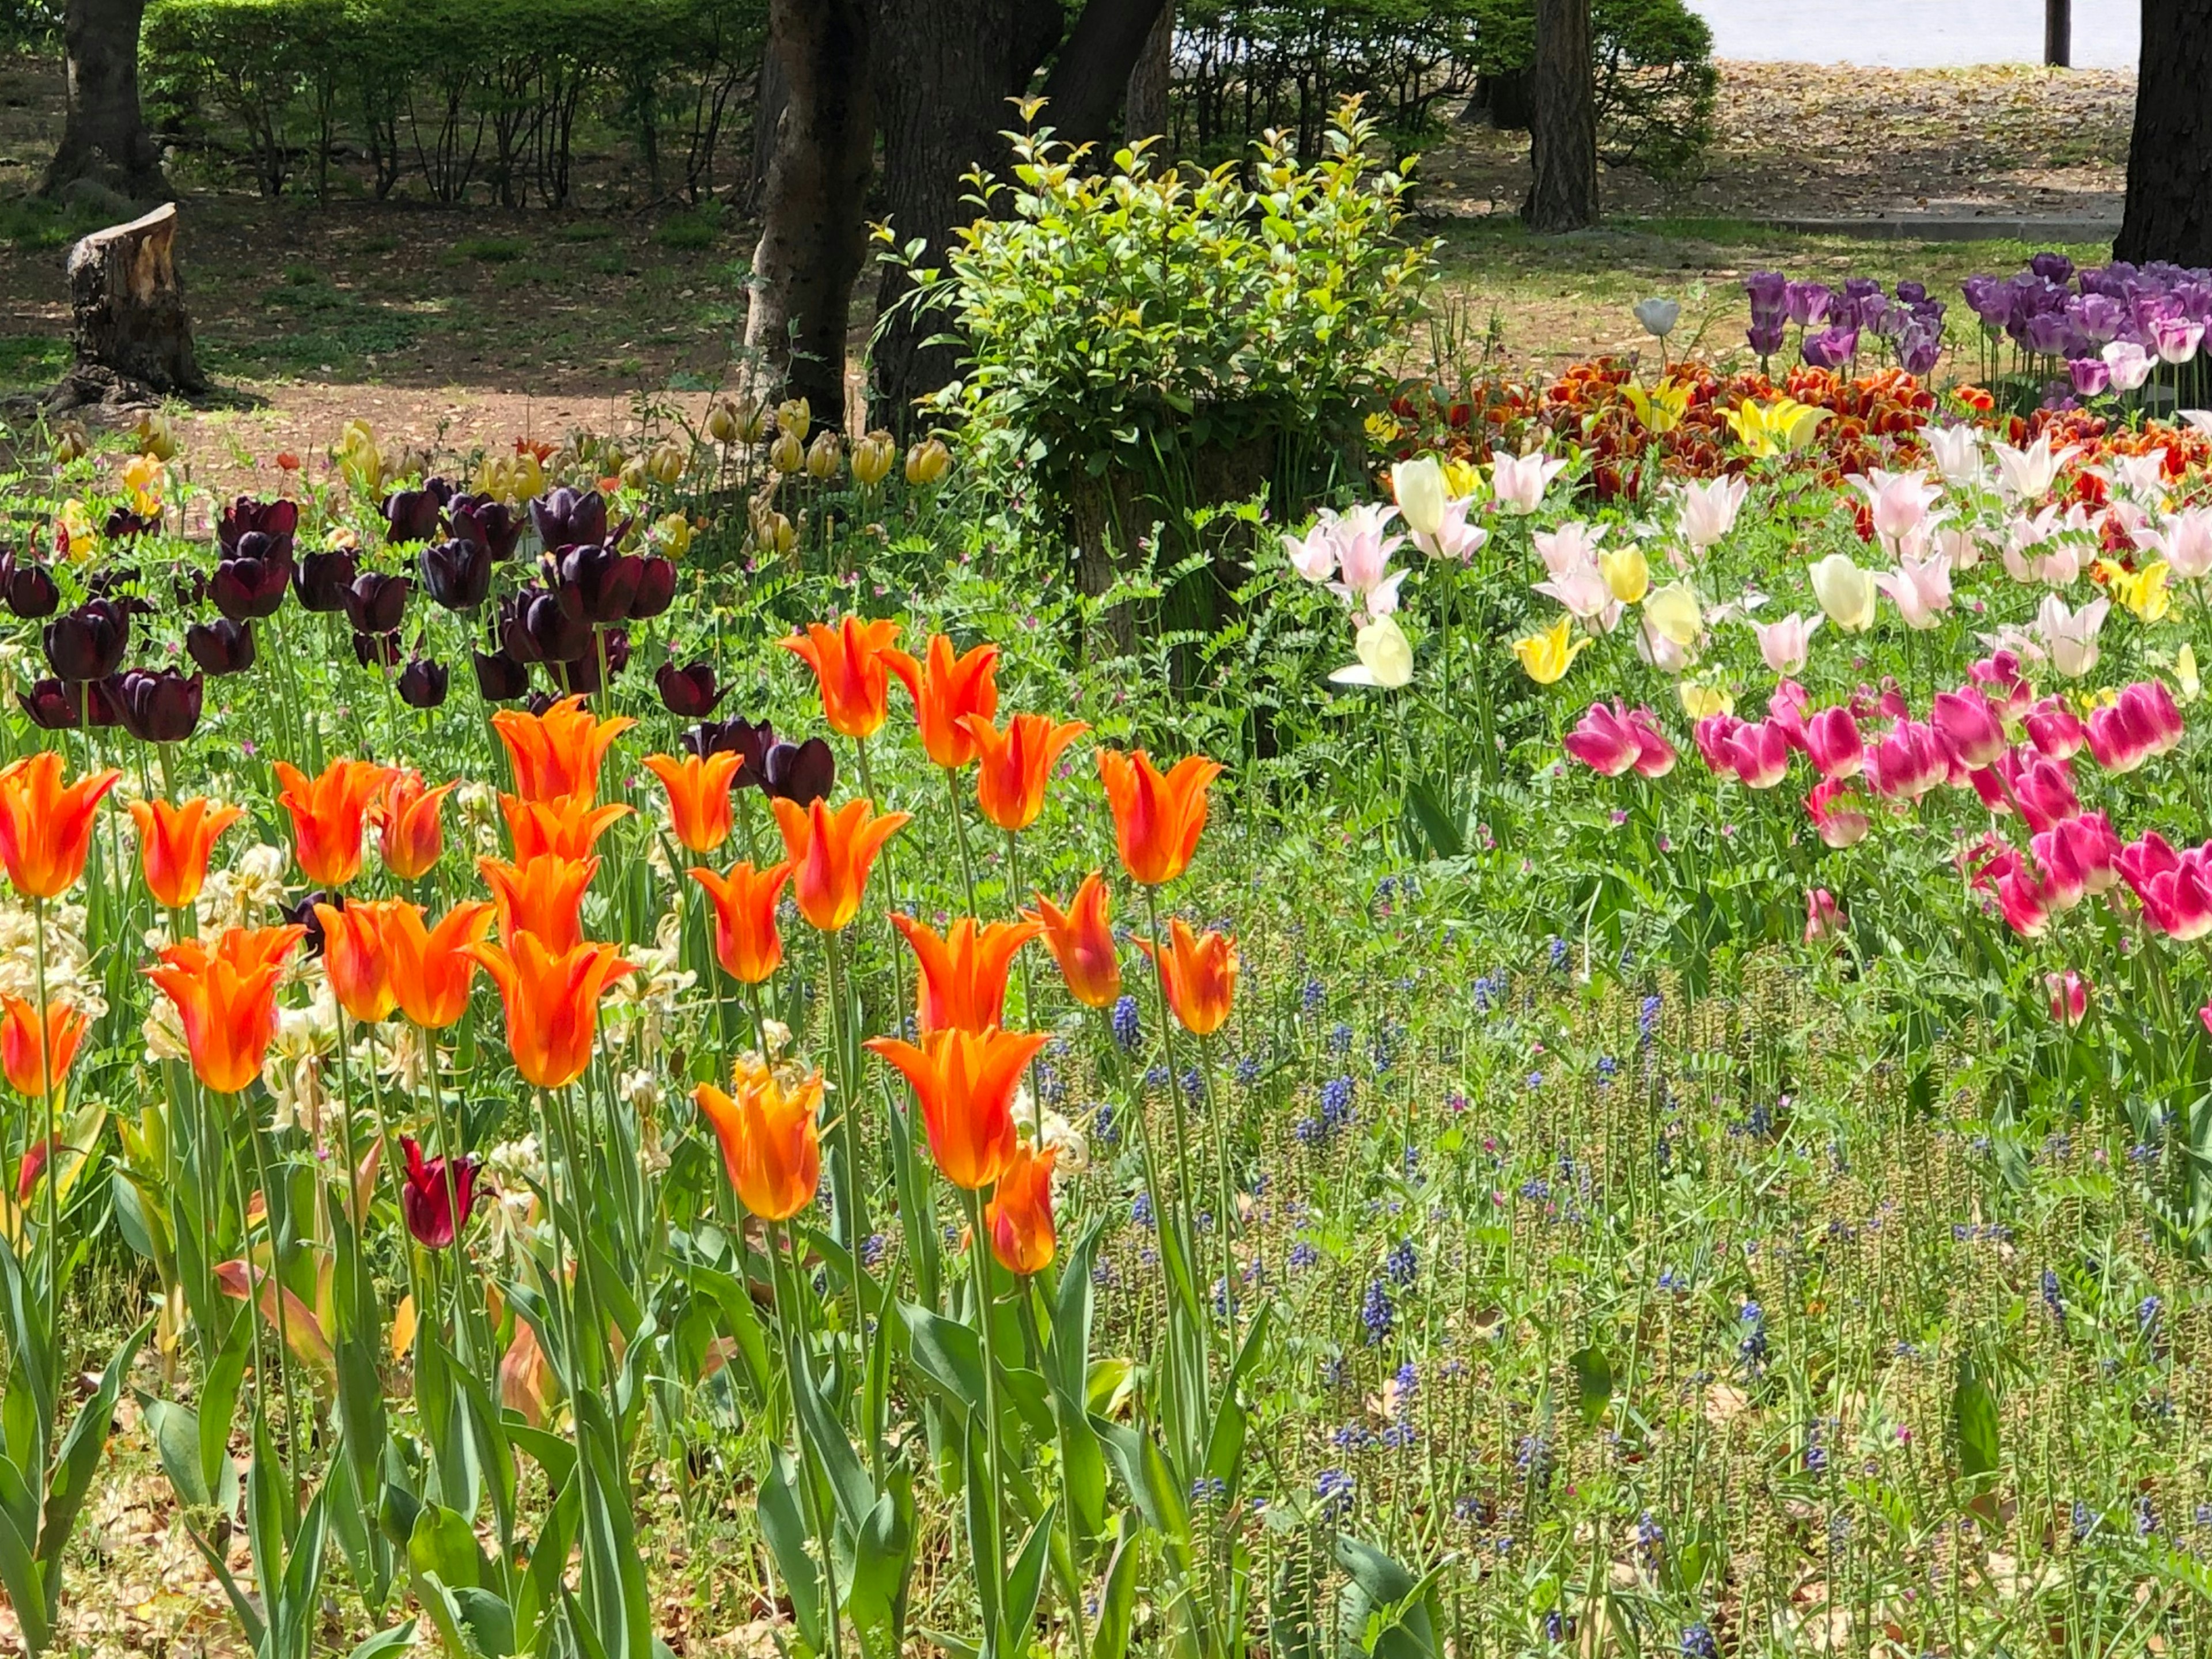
[(770, 100), (104, 135), (1091, 78), (1144, 105), (813, 237), (1563, 120), (127, 323), (2169, 205)]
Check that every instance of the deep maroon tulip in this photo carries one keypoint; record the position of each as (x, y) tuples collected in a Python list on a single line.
[(51, 704), (245, 588), (688, 693), (713, 738), (538, 703), (656, 588), (278, 521), (122, 524), (457, 574), (500, 678), (410, 515), (542, 630), (88, 643), (598, 583), (429, 1196), (220, 648), (322, 579), (803, 773), (302, 913), (487, 523), (376, 650), (156, 705), (376, 604), (422, 683), (29, 587), (566, 518)]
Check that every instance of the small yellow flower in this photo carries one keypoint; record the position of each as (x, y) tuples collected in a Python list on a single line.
[(1627, 573), (1546, 657), (142, 476), (2144, 591), (1463, 478), (1700, 701), (1659, 410), (1381, 430), (75, 538), (672, 535)]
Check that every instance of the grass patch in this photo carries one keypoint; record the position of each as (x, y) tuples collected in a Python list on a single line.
[(32, 361), (586, 230), (492, 250), (690, 231), (30, 221)]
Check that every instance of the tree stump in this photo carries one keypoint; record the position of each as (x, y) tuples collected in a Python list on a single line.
[(132, 336)]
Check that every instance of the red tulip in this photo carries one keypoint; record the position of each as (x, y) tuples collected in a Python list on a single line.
[(424, 1201), (1603, 740)]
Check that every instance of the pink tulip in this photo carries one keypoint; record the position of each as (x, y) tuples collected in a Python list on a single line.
[(1604, 741), (1655, 755), (1823, 917), (2069, 996), (1833, 745), (2076, 857), (1897, 502), (1968, 726), (2204, 1016), (2002, 682), (2175, 889), (2043, 790), (2021, 902), (1906, 764), (1839, 814), (1713, 735), (2144, 722), (1786, 708), (1760, 754), (1784, 646), (2055, 729)]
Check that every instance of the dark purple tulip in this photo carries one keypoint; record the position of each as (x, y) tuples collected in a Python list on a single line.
[(277, 520), (422, 683), (245, 588), (321, 579), (2051, 267), (29, 587), (52, 704), (302, 913), (536, 702), (566, 517), (1860, 300), (1912, 294), (88, 643), (541, 630), (656, 588), (752, 740), (486, 522), (376, 650), (712, 737), (156, 705), (688, 693), (1832, 347), (220, 648), (122, 524), (598, 583), (802, 773), (1988, 298), (410, 515), (1769, 293), (500, 678), (376, 604), (1808, 303), (457, 574)]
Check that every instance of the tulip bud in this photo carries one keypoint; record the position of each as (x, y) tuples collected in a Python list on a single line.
[(825, 456), (665, 464), (223, 646), (671, 534), (786, 453), (1846, 593), (156, 436), (872, 457), (422, 683), (88, 643), (722, 422), (320, 579), (157, 707), (688, 693), (28, 588), (1418, 486), (794, 419), (500, 678), (773, 533), (927, 462), (71, 441)]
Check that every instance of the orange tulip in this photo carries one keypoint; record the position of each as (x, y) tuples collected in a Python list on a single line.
[(1157, 820), (848, 662), (226, 1000), (409, 836), (558, 752), (698, 795), (770, 1147), (544, 897), (946, 691), (963, 974), (34, 1051), (561, 829), (1019, 1215), (1010, 782), (1199, 972), (431, 967), (746, 942), (1082, 942), (327, 816), (174, 845), (831, 853), (45, 826), (354, 958), (965, 1081), (552, 1003)]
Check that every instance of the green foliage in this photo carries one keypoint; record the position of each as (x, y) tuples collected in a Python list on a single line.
[(1655, 79)]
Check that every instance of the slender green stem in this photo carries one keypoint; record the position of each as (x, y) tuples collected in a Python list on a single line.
[(960, 834), (852, 1209), (791, 1322), (978, 1263)]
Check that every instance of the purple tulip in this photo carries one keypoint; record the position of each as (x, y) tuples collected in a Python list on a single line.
[(537, 627), (487, 523), (500, 678), (2092, 376), (1832, 347), (2052, 267), (278, 521), (457, 574), (422, 683), (247, 587), (567, 518), (88, 643), (688, 693), (321, 579), (156, 705), (596, 583), (1766, 339), (220, 648), (301, 912), (52, 704), (1989, 298), (1808, 302), (29, 587), (376, 604), (801, 772), (1919, 346)]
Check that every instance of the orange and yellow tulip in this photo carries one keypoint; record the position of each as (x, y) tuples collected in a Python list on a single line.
[(965, 1081), (1199, 973), (771, 1149), (848, 662), (831, 853), (698, 795), (746, 941), (34, 1052), (1019, 1218), (544, 897), (226, 1000), (552, 1003), (963, 974), (174, 843), (431, 967), (558, 752), (46, 825), (1082, 942), (947, 689), (1015, 764), (1157, 820), (410, 835), (354, 958), (565, 827), (328, 813)]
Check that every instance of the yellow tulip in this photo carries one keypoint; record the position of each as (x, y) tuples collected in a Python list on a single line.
[(360, 459), (1673, 613), (78, 536), (1659, 410), (2187, 685), (672, 535), (1546, 657), (2143, 591), (1700, 702), (1627, 574), (1463, 478), (927, 462), (786, 453), (1794, 422), (872, 457)]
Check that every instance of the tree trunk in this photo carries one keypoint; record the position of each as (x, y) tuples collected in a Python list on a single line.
[(1563, 125), (104, 137), (2169, 204), (813, 233), (770, 99), (132, 336), (1144, 105), (1090, 78)]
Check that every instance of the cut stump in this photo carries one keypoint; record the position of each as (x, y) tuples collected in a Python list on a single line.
[(132, 336)]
